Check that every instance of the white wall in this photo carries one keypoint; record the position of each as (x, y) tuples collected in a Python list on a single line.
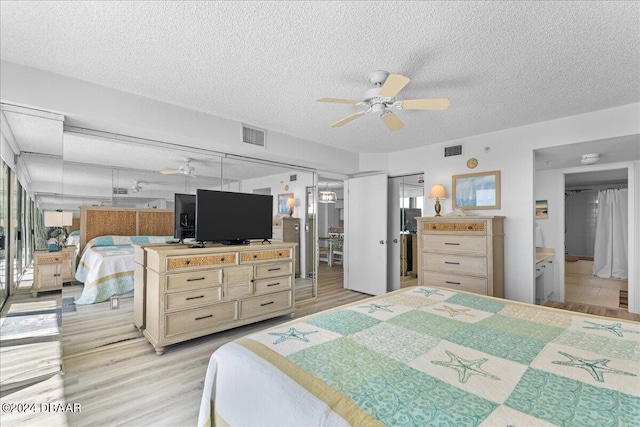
[(511, 152), (100, 108)]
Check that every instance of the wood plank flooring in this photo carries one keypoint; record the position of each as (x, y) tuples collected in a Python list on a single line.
[(119, 380), (114, 373)]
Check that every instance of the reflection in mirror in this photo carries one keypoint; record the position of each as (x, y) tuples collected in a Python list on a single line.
[(103, 171), (31, 185)]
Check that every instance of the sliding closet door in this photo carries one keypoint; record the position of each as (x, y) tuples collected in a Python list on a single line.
[(366, 234)]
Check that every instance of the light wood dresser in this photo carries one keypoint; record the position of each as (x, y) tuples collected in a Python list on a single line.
[(287, 229), (462, 253), (52, 269), (192, 292)]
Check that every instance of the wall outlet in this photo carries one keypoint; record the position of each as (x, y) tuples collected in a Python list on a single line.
[(115, 303)]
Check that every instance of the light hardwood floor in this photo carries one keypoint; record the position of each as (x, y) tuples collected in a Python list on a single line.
[(113, 372), (119, 380)]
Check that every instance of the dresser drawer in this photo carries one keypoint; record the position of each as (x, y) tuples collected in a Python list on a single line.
[(451, 243), (467, 226), (199, 318), (200, 261), (460, 283), (475, 266), (263, 286), (196, 279), (51, 259), (195, 298), (254, 256), (273, 269), (264, 304), (238, 291)]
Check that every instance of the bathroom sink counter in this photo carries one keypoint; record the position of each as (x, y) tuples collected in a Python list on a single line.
[(543, 254)]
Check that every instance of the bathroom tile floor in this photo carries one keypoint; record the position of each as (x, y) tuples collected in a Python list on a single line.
[(593, 290)]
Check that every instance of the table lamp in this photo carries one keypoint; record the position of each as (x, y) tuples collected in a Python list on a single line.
[(437, 192), (291, 202)]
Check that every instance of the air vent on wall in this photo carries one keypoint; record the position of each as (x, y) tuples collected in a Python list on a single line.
[(253, 136), (454, 150), (293, 177), (119, 191)]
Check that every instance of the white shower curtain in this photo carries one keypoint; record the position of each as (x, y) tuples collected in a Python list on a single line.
[(610, 253)]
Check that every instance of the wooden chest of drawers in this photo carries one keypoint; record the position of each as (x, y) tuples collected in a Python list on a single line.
[(462, 253), (189, 292)]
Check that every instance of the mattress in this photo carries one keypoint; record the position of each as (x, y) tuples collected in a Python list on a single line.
[(428, 356)]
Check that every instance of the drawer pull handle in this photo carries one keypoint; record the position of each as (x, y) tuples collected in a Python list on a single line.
[(469, 227), (274, 269), (255, 256), (433, 227), (222, 259), (195, 279), (451, 262), (452, 283), (188, 261), (279, 253), (273, 284), (190, 298), (266, 303), (454, 244), (204, 317)]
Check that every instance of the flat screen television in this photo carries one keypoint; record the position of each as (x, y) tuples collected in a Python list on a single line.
[(408, 219), (232, 218), (184, 226)]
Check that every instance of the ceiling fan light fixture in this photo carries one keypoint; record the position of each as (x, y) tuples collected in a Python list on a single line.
[(327, 197), (590, 159)]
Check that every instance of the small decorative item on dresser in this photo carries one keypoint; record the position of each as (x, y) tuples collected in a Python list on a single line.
[(437, 192)]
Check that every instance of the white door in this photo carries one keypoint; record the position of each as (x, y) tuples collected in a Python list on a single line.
[(366, 234)]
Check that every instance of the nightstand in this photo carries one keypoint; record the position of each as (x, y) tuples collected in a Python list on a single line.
[(52, 269)]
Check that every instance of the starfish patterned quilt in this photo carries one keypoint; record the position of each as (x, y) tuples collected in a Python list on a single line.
[(426, 356)]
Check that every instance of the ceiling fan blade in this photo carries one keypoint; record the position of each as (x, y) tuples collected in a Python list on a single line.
[(338, 101), (169, 171), (392, 121), (426, 104), (347, 120), (393, 85)]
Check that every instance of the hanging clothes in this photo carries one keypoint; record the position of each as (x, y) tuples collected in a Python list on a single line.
[(610, 255)]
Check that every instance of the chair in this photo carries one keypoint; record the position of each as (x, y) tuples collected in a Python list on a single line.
[(337, 249)]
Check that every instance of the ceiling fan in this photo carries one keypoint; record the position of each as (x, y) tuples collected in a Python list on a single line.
[(136, 187), (381, 98), (185, 169)]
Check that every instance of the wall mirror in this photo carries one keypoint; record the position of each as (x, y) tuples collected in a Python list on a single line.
[(476, 190)]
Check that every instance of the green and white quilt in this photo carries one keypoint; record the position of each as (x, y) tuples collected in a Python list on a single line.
[(427, 356)]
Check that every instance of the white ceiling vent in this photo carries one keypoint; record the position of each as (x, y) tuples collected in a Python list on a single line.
[(253, 136), (120, 191), (454, 150)]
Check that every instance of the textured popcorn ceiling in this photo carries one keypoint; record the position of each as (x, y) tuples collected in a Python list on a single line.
[(502, 64)]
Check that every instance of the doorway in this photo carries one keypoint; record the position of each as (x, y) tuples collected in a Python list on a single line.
[(406, 202), (584, 197), (330, 225)]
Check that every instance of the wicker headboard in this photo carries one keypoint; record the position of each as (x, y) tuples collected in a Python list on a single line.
[(103, 221)]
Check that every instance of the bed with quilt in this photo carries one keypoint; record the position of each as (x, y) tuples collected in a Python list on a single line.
[(106, 266), (425, 356)]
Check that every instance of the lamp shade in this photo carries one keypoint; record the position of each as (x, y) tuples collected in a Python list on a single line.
[(291, 202), (437, 192), (57, 218), (327, 197)]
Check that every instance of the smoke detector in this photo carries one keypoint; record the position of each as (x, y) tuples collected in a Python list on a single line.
[(589, 159)]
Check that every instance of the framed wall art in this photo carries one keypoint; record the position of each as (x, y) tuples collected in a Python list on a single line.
[(476, 190)]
